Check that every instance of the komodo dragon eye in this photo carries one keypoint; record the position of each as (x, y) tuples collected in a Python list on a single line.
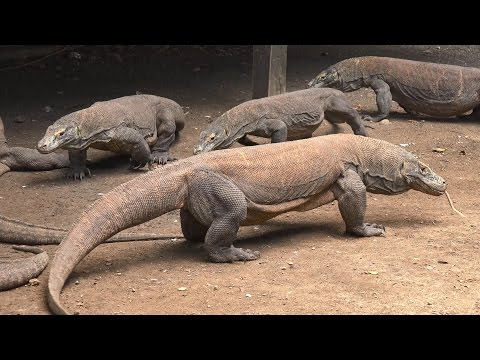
[(59, 134), (211, 137)]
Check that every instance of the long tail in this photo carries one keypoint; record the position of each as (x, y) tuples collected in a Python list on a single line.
[(14, 273), (139, 200), (19, 232)]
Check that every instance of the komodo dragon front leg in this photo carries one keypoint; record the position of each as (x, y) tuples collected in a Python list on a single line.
[(338, 110), (384, 99), (166, 131), (351, 195), (218, 204)]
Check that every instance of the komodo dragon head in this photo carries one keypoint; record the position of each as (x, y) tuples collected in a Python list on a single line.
[(57, 136), (215, 136), (421, 178), (401, 171), (327, 78)]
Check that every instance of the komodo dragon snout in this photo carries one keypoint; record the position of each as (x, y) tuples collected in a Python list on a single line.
[(55, 137)]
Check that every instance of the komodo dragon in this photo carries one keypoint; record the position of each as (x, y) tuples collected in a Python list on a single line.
[(219, 191), (14, 273), (20, 158), (126, 125), (290, 116), (418, 87)]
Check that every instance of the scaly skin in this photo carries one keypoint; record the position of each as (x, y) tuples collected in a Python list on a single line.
[(219, 191), (142, 126), (290, 116), (20, 158), (419, 87)]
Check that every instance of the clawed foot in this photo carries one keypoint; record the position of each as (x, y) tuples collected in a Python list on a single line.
[(231, 254), (161, 157), (78, 173), (368, 230)]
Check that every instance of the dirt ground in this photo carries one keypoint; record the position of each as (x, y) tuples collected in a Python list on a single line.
[(428, 263)]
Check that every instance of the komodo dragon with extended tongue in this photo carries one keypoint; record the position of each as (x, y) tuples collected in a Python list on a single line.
[(14, 273), (126, 125), (21, 158), (219, 191), (290, 116), (418, 87)]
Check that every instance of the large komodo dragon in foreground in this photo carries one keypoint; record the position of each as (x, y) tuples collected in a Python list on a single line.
[(14, 273), (219, 191), (418, 87), (290, 116), (21, 158), (126, 125)]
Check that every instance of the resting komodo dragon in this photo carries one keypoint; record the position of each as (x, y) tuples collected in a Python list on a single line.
[(21, 158), (14, 273), (126, 125), (290, 116), (418, 87), (219, 191)]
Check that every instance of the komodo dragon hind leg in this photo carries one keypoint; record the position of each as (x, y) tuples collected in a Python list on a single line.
[(221, 206), (351, 194), (338, 110), (191, 228)]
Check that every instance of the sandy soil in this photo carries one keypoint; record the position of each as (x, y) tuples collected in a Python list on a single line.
[(427, 264)]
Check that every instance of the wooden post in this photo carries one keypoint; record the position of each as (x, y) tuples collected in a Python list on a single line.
[(269, 73)]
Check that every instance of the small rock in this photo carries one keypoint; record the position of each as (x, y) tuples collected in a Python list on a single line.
[(108, 263), (182, 288), (80, 303), (215, 287), (24, 186), (290, 263), (371, 272), (100, 194), (207, 116), (439, 150), (442, 262), (33, 282), (248, 295), (283, 268), (133, 290), (384, 122), (118, 273), (404, 145), (313, 247), (77, 282), (462, 152), (153, 279)]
